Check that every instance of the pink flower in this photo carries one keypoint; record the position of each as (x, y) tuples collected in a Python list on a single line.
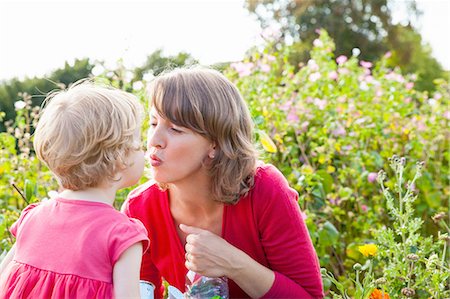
[(314, 77), (437, 96), (339, 131), (264, 67), (447, 114), (341, 59), (409, 85), (343, 71), (369, 79), (364, 208), (243, 68), (292, 116), (320, 103), (366, 64), (313, 65), (304, 216), (333, 75), (317, 43), (304, 127), (388, 54), (372, 177), (271, 58), (286, 106)]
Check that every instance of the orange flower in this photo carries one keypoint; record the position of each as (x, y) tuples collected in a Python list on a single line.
[(377, 294)]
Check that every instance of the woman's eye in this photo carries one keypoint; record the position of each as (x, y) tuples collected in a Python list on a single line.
[(176, 130), (153, 124)]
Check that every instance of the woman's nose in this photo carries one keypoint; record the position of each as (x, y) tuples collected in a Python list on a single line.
[(154, 138)]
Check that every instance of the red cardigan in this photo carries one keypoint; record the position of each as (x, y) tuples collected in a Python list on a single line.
[(266, 224)]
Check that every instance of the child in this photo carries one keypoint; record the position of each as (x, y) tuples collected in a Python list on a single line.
[(77, 245)]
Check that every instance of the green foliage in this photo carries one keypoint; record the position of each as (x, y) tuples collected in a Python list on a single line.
[(329, 125), (363, 24), (12, 90), (407, 262), (333, 124)]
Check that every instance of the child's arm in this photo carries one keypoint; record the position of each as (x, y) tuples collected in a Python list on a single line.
[(8, 258), (126, 272)]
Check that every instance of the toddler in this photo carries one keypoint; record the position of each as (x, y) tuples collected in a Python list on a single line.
[(77, 245)]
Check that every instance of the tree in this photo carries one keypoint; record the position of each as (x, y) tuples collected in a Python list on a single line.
[(39, 87), (351, 23), (157, 62), (409, 52), (363, 24)]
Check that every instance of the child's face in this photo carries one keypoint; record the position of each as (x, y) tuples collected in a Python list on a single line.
[(136, 162)]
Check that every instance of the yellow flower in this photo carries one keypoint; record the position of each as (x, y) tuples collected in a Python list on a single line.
[(330, 169), (322, 159), (267, 143), (368, 249)]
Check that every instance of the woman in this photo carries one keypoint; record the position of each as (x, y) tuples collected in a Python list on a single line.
[(212, 208)]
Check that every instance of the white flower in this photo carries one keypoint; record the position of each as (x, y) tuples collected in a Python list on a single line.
[(19, 105), (98, 70), (356, 52), (138, 85)]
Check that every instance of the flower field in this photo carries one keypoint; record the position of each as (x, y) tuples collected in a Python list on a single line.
[(368, 154)]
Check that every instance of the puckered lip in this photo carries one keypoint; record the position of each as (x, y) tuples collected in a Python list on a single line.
[(154, 157)]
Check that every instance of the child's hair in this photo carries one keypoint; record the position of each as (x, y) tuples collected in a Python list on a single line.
[(85, 133), (206, 102)]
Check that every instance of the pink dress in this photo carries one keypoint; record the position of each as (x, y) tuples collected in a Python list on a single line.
[(67, 249)]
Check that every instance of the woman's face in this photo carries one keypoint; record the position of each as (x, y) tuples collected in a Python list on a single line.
[(176, 153)]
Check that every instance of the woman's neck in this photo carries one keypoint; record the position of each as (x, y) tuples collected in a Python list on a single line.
[(193, 199)]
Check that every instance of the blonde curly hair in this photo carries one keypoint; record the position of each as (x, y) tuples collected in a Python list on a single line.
[(85, 133)]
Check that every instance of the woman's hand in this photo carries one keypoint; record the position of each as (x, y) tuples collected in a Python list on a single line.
[(207, 253), (210, 255)]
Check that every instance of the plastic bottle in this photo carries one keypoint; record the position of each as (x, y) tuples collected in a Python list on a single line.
[(202, 287)]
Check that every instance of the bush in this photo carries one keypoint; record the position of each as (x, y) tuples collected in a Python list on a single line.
[(329, 126)]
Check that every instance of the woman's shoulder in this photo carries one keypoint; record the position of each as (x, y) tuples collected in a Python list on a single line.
[(267, 176), (270, 186), (144, 195)]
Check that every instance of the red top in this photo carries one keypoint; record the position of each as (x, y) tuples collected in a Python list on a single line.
[(266, 224)]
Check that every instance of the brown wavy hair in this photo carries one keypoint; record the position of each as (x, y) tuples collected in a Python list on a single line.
[(206, 102)]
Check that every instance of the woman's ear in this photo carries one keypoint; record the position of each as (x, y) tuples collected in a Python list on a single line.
[(212, 151)]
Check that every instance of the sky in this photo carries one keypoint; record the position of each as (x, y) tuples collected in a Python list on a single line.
[(38, 36)]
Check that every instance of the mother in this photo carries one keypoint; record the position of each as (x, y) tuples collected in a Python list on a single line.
[(212, 207)]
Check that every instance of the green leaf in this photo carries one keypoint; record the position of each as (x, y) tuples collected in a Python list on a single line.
[(30, 190), (327, 180), (328, 234)]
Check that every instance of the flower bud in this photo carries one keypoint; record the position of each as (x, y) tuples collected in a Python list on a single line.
[(412, 257), (380, 281), (408, 292), (357, 267), (439, 216)]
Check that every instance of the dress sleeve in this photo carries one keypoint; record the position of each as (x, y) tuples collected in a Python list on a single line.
[(124, 235), (286, 240), (149, 272), (25, 212)]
